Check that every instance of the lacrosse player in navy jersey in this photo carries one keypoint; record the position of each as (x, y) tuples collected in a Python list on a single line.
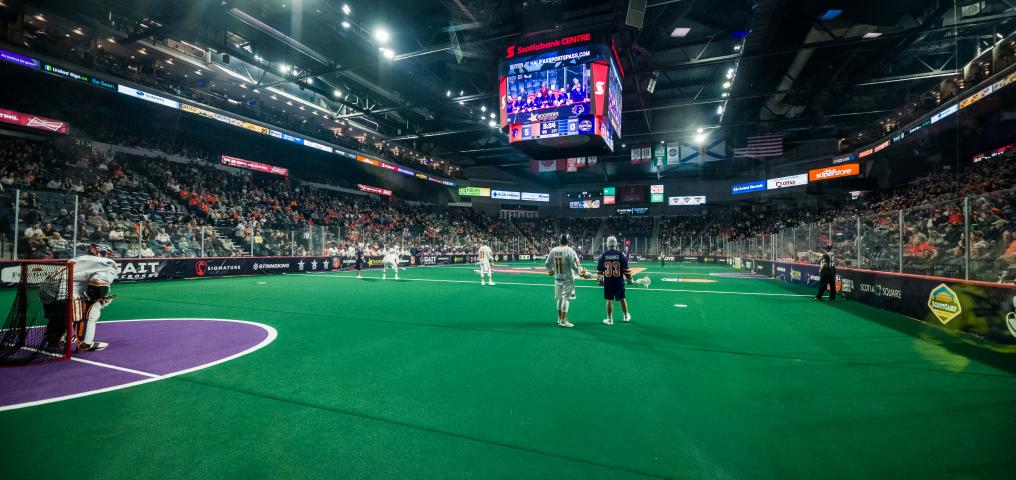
[(613, 272)]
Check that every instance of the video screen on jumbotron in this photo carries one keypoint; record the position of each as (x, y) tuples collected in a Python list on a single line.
[(563, 98)]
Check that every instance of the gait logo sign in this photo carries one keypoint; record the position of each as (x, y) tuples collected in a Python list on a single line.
[(944, 303), (201, 268), (511, 52), (600, 88)]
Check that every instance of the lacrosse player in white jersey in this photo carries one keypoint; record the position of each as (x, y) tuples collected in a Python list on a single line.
[(93, 275), (391, 260), (483, 257), (563, 264)]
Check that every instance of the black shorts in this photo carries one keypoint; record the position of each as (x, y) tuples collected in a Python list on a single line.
[(359, 265), (613, 292)]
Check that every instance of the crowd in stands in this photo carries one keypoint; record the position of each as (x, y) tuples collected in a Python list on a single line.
[(146, 207), (932, 234)]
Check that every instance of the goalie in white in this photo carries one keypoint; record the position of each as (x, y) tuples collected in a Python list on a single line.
[(563, 264), (483, 257), (93, 275), (391, 260)]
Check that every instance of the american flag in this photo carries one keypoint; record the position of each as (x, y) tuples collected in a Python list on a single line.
[(769, 145)]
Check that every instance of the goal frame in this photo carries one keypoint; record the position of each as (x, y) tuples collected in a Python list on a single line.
[(22, 291)]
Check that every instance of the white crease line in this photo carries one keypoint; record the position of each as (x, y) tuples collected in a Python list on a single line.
[(114, 367)]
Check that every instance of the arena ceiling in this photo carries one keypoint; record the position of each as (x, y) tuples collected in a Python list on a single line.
[(800, 69)]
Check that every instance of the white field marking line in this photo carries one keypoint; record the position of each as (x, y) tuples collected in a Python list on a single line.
[(272, 334), (90, 362), (580, 286), (680, 305)]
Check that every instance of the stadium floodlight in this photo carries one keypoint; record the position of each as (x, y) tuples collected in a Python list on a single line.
[(699, 130), (491, 115), (346, 9), (700, 138), (737, 48), (388, 54), (310, 81), (719, 110), (483, 108), (492, 124), (381, 35), (726, 84), (724, 94), (283, 68), (345, 24), (448, 93), (337, 94), (871, 35), (680, 32)]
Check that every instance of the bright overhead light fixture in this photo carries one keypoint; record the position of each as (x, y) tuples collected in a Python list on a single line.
[(724, 94), (381, 35), (726, 84), (387, 53), (737, 48), (283, 68), (700, 138), (345, 8), (310, 81), (699, 130), (345, 24), (483, 108), (719, 110), (680, 32), (492, 115), (871, 35), (448, 93), (337, 94)]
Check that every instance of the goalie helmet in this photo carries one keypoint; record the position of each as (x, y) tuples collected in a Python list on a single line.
[(99, 250)]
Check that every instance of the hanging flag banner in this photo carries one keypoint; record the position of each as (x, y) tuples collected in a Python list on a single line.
[(673, 153), (660, 157)]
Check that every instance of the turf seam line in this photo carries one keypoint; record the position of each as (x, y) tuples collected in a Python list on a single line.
[(551, 285)]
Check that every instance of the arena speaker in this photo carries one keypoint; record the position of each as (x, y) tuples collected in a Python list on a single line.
[(636, 13), (225, 58)]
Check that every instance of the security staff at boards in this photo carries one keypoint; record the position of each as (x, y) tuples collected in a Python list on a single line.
[(826, 273)]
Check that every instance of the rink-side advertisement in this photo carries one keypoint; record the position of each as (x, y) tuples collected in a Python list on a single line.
[(136, 269), (982, 309)]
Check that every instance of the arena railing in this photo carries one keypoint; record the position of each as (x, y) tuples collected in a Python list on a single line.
[(969, 238), (121, 225)]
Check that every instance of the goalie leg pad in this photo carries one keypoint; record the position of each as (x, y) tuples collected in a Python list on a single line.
[(91, 316)]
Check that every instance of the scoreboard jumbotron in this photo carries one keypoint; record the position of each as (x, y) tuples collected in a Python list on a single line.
[(561, 97)]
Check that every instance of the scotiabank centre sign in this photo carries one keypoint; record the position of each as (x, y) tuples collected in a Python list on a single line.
[(981, 309), (514, 50)]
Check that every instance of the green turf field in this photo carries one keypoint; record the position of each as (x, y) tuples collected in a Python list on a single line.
[(437, 377)]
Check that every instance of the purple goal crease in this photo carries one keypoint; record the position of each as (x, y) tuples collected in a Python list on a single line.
[(153, 347)]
